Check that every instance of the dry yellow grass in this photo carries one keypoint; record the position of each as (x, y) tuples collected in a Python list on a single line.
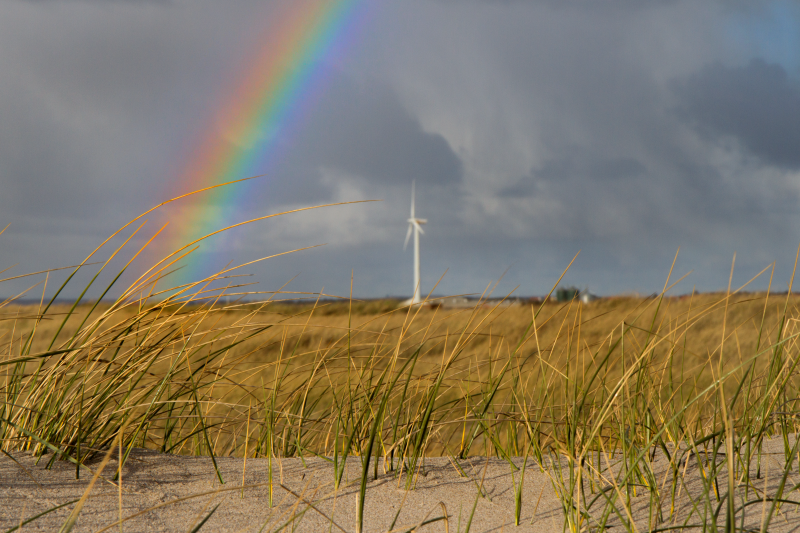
[(331, 342), (692, 325), (564, 383), (708, 377)]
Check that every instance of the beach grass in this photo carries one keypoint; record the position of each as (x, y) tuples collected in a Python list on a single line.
[(593, 395)]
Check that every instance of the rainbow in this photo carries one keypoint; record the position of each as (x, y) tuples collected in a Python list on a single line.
[(264, 106)]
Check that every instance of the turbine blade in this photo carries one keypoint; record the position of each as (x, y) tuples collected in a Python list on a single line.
[(408, 236), (419, 228)]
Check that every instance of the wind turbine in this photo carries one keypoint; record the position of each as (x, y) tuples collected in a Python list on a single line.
[(415, 226)]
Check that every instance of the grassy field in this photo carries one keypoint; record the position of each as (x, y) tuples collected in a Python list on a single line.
[(569, 385)]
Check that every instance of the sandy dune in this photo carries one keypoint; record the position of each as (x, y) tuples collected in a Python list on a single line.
[(173, 493)]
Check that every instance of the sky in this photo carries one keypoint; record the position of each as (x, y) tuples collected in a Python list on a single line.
[(535, 129)]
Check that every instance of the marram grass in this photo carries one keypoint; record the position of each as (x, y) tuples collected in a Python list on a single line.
[(594, 394)]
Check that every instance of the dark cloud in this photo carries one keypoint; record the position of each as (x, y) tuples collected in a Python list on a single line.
[(363, 129), (99, 97), (757, 104), (578, 167)]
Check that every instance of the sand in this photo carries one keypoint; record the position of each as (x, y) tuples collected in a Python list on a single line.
[(175, 493)]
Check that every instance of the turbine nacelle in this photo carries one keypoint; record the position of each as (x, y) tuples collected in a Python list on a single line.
[(414, 223)]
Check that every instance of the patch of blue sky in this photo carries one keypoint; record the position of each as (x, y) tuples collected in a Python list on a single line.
[(770, 32)]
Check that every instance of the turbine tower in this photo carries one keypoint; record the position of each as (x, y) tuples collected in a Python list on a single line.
[(415, 226)]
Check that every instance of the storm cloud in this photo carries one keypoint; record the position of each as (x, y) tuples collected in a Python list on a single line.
[(533, 130), (366, 131), (757, 104)]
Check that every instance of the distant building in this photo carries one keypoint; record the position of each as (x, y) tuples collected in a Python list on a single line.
[(567, 294), (466, 302), (587, 297), (456, 301)]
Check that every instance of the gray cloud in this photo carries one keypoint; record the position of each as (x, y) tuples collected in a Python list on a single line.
[(757, 104), (533, 129), (363, 130), (577, 167)]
